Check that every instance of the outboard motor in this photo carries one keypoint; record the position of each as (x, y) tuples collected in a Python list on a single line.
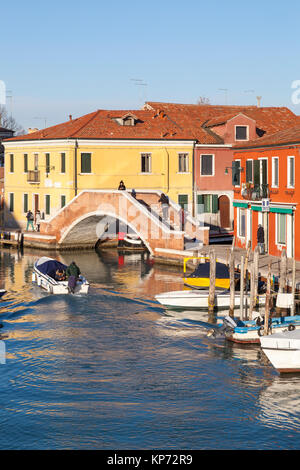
[(228, 325)]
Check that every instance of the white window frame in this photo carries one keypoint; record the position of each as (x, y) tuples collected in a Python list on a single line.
[(80, 173), (186, 159), (248, 160), (212, 166), (247, 132), (149, 154), (9, 200), (239, 185), (45, 204), (289, 159), (240, 209), (277, 220), (273, 172)]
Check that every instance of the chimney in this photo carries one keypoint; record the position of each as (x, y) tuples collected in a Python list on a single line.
[(70, 117), (258, 101), (30, 131)]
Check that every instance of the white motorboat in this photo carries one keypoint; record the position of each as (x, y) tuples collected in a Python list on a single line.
[(44, 275), (2, 292), (283, 350), (199, 299)]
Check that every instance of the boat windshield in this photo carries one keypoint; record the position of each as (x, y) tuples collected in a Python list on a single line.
[(50, 267)]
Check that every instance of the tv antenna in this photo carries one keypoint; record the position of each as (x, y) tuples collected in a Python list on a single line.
[(226, 94), (140, 82), (44, 118)]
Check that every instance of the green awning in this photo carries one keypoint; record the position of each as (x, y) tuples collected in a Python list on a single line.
[(281, 210), (256, 208), (240, 204)]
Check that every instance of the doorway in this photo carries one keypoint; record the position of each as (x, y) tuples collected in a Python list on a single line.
[(224, 208)]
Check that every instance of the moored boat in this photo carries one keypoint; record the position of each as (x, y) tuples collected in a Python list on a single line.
[(200, 277), (252, 331), (283, 350), (199, 299), (44, 275)]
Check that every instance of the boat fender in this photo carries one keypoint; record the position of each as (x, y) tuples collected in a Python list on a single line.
[(49, 289), (291, 327)]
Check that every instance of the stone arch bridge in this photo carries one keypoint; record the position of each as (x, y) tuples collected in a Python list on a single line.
[(82, 222)]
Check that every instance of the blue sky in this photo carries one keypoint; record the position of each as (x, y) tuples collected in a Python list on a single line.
[(70, 57)]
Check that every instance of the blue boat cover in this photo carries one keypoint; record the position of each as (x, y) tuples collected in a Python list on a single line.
[(202, 271), (50, 267)]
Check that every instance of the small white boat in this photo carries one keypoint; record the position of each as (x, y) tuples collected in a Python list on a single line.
[(2, 292), (44, 275), (198, 299), (251, 331), (283, 350)]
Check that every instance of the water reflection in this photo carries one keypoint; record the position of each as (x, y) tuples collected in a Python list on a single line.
[(115, 361)]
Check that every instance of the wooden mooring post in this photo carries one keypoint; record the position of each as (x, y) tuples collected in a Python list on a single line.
[(242, 287), (283, 272), (268, 301), (232, 284), (212, 281), (252, 291), (256, 273), (293, 286)]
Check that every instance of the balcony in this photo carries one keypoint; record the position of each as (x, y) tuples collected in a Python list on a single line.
[(33, 176), (255, 192)]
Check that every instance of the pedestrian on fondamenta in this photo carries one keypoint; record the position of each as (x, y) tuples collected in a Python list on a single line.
[(30, 219), (261, 239), (164, 200)]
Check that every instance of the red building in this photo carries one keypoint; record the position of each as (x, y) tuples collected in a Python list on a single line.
[(266, 192), (216, 130)]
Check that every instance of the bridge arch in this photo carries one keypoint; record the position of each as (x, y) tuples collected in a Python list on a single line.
[(95, 217)]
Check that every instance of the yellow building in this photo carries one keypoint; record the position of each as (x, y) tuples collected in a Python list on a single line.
[(45, 169)]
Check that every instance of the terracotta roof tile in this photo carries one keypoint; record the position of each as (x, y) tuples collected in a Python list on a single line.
[(283, 137)]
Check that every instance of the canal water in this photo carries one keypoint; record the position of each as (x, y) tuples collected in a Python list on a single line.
[(113, 370)]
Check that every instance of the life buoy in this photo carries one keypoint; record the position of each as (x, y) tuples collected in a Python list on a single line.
[(291, 327)]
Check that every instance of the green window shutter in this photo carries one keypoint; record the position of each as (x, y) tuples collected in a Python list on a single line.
[(207, 203), (47, 203), (183, 200), (11, 156), (25, 203), (11, 202), (47, 162), (256, 172), (25, 163), (215, 203), (249, 166), (86, 163), (235, 173), (200, 203), (62, 162), (63, 201)]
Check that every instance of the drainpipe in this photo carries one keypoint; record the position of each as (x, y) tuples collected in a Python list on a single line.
[(168, 170), (194, 188), (75, 167)]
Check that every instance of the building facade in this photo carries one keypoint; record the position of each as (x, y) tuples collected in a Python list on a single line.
[(267, 192)]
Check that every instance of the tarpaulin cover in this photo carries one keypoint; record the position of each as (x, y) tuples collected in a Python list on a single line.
[(202, 271), (50, 267)]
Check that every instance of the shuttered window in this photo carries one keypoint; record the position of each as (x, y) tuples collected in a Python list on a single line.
[(183, 200), (249, 171), (242, 222), (291, 172), (207, 203), (241, 133), (62, 162), (207, 167), (200, 203), (47, 162), (25, 203), (183, 163), (275, 172), (146, 163), (11, 162), (86, 166), (47, 204), (236, 178), (11, 202), (62, 201), (25, 163), (256, 172)]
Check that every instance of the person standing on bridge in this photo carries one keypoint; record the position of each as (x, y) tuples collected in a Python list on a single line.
[(30, 219), (122, 186), (164, 200)]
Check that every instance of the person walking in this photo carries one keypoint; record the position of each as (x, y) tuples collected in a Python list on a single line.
[(30, 219), (182, 218), (164, 200), (261, 239), (37, 220)]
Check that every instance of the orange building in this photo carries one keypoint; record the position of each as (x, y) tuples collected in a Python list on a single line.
[(266, 192)]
